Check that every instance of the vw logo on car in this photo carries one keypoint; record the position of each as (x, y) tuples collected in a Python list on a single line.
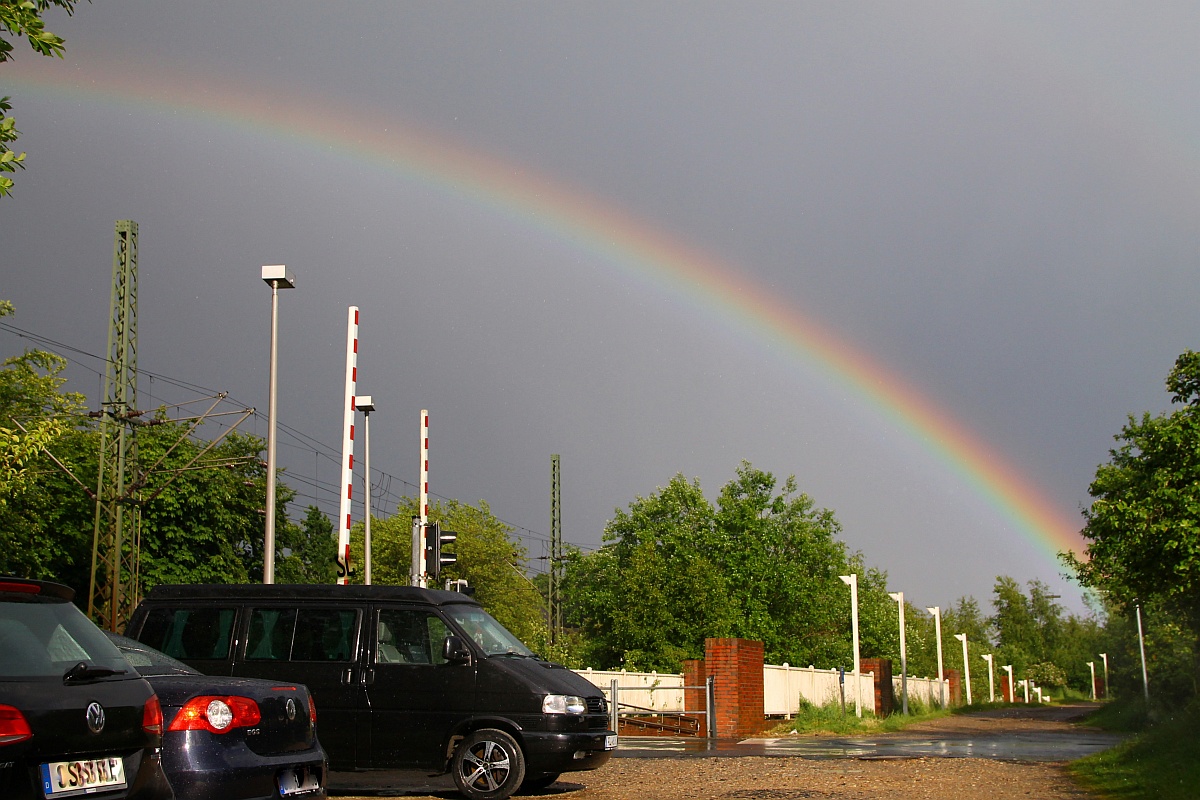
[(95, 717)]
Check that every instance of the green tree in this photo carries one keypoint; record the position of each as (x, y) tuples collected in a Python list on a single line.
[(33, 411), (762, 564), (23, 19), (488, 559), (308, 551), (1143, 527)]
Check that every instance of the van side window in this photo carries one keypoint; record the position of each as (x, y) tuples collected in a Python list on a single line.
[(270, 635), (324, 634), (189, 633), (410, 637)]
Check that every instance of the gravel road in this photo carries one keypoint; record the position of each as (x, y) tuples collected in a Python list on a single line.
[(759, 778)]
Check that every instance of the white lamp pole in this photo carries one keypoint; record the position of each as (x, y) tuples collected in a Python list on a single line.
[(1142, 649), (277, 277), (1008, 668), (852, 582), (991, 681), (962, 637), (899, 598), (1025, 684), (1092, 669), (1104, 658), (936, 611), (366, 404)]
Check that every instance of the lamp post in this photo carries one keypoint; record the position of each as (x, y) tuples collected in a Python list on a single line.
[(936, 611), (1008, 668), (899, 598), (1104, 658), (1092, 669), (366, 404), (852, 581), (277, 277), (991, 681), (1142, 649), (962, 637)]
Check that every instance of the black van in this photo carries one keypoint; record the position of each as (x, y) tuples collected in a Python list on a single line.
[(403, 677)]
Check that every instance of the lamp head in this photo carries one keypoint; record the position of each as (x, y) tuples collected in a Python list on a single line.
[(849, 580), (962, 637), (935, 610), (897, 596), (279, 275)]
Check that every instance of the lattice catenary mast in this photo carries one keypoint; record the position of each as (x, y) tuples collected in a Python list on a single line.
[(114, 580)]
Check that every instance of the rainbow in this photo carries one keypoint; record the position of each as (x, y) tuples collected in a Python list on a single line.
[(634, 248)]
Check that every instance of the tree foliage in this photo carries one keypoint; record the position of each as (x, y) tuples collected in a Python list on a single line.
[(762, 563), (1143, 527), (22, 19)]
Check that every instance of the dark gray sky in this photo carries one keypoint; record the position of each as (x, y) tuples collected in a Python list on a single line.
[(995, 202)]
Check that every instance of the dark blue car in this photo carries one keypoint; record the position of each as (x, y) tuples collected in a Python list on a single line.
[(232, 738)]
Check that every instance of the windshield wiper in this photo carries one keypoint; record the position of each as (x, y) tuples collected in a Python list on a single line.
[(84, 671)]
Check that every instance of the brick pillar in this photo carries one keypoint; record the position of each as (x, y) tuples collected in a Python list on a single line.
[(1099, 684), (736, 666), (1004, 687), (695, 674), (885, 699), (954, 678)]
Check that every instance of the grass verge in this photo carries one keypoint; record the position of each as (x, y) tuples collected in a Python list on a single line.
[(1161, 762)]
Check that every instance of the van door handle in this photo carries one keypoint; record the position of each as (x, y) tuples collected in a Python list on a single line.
[(368, 677), (346, 675)]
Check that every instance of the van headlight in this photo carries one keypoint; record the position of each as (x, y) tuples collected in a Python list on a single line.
[(563, 704)]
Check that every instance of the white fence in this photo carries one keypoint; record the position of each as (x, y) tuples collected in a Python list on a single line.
[(783, 687), (922, 690), (651, 690)]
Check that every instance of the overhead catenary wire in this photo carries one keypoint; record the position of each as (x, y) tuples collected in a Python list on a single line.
[(325, 492)]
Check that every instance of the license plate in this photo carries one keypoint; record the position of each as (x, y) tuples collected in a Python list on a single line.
[(66, 778), (300, 780), (610, 742)]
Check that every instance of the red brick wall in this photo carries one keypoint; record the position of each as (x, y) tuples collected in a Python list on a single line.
[(954, 678), (885, 699), (695, 674), (736, 666)]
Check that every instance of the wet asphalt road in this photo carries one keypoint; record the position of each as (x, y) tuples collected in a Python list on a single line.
[(1061, 744)]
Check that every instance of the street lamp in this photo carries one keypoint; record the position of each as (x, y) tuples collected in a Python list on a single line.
[(1092, 669), (1104, 658), (962, 637), (1008, 668), (937, 626), (365, 403), (852, 582), (1142, 649), (277, 277), (991, 685), (899, 598)]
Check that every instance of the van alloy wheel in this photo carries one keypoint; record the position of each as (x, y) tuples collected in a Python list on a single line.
[(488, 765)]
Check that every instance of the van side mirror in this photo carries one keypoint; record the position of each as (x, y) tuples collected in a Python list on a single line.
[(455, 650)]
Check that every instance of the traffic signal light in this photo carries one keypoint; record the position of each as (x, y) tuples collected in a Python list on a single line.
[(435, 559)]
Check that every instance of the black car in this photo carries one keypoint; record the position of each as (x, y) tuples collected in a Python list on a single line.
[(232, 738), (75, 719)]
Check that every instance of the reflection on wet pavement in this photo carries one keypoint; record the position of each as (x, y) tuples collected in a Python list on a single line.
[(1024, 746)]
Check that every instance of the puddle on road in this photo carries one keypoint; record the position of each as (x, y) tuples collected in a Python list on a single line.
[(1026, 746)]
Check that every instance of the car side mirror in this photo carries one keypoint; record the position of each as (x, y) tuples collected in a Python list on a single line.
[(455, 650)]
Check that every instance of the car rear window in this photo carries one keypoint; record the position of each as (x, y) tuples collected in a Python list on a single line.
[(190, 633), (302, 634), (44, 637)]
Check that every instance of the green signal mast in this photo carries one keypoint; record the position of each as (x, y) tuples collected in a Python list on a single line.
[(113, 589)]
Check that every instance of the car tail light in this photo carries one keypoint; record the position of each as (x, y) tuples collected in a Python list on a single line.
[(152, 718), (216, 714), (13, 727), (312, 711)]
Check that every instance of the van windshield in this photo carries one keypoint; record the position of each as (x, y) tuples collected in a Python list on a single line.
[(491, 636)]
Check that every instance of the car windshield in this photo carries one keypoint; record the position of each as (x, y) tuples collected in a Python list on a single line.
[(491, 636), (47, 637), (148, 661)]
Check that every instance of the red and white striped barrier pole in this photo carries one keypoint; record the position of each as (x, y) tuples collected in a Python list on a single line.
[(343, 551), (422, 541)]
